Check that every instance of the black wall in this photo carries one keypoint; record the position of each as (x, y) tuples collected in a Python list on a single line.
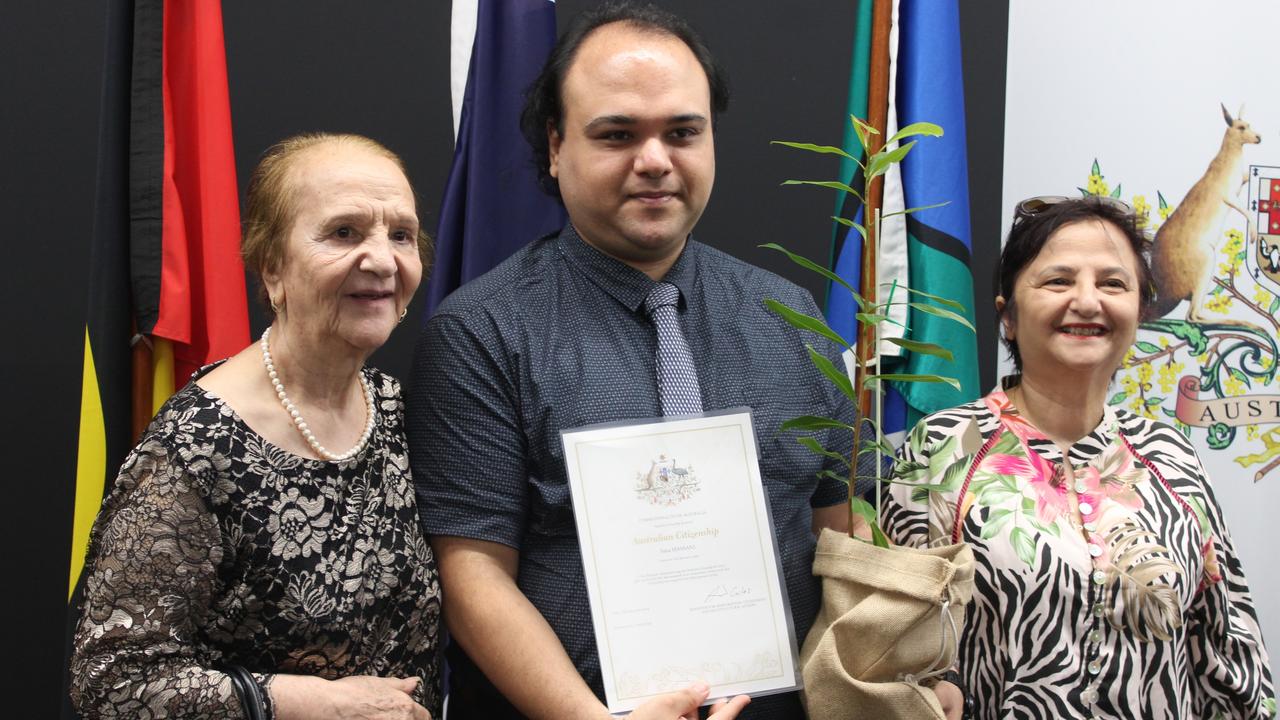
[(378, 69)]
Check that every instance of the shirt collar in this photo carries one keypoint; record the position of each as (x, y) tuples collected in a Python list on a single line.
[(624, 283)]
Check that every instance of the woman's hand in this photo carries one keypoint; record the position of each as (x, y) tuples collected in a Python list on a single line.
[(683, 704), (359, 697), (951, 699)]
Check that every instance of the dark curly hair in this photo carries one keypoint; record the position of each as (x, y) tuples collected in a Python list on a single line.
[(542, 106), (1029, 235)]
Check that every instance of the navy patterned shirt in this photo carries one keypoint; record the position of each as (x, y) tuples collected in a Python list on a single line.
[(556, 338)]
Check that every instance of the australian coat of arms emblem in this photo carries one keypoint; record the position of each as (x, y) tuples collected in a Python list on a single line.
[(1206, 359), (666, 482)]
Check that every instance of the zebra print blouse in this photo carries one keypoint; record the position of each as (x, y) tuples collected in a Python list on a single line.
[(1110, 591)]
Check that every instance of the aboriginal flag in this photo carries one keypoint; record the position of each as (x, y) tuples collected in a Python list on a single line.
[(166, 290)]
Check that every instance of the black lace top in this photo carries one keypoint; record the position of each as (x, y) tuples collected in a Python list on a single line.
[(216, 547)]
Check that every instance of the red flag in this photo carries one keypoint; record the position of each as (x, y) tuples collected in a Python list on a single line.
[(166, 245), (201, 305)]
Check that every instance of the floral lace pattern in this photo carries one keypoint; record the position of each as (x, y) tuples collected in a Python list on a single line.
[(217, 548)]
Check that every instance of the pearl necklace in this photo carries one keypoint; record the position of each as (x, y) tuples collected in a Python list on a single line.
[(301, 424)]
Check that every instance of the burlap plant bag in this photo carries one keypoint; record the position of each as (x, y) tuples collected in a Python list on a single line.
[(881, 620)]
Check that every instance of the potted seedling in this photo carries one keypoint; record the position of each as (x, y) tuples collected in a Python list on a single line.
[(890, 615)]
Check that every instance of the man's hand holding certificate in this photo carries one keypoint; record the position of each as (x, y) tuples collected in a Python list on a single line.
[(680, 558)]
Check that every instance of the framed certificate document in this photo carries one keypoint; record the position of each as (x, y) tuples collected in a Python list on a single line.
[(680, 557)]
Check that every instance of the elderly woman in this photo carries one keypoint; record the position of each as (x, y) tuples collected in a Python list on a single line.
[(259, 555), (1106, 584)]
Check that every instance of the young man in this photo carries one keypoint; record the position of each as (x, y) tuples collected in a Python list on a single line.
[(557, 337)]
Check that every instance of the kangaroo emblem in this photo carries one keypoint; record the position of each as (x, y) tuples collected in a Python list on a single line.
[(1183, 251)]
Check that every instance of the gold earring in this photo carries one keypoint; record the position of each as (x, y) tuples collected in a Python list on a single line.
[(402, 314)]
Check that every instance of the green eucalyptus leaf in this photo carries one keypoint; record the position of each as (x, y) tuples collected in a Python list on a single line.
[(813, 422), (927, 129), (1153, 401), (831, 475), (942, 313), (1147, 347), (907, 377), (880, 162), (878, 536), (1095, 170), (1116, 193), (816, 448), (864, 509), (808, 264), (834, 374), (922, 348), (1160, 197), (831, 184), (806, 322), (881, 444), (908, 211), (863, 131), (851, 224), (935, 298), (1117, 398), (810, 147)]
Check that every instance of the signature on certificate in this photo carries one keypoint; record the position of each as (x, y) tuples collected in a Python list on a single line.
[(727, 591)]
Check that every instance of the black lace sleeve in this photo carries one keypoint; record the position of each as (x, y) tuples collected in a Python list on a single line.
[(151, 573)]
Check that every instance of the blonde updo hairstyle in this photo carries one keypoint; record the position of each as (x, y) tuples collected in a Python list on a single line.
[(270, 204)]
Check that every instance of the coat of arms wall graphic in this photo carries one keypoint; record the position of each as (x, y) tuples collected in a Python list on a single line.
[(1206, 359)]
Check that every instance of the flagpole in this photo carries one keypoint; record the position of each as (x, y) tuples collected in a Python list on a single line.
[(877, 117)]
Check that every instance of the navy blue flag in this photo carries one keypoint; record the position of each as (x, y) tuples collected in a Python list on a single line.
[(492, 203)]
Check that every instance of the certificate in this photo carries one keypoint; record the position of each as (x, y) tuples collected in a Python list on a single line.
[(680, 557)]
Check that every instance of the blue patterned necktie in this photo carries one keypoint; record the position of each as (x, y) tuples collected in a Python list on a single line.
[(677, 377)]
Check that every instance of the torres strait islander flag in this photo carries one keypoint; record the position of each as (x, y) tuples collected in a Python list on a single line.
[(928, 250), (165, 268), (492, 203)]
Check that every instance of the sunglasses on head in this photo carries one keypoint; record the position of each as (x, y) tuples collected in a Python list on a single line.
[(1033, 206)]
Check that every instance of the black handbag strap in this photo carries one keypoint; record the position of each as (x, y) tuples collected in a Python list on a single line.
[(249, 692)]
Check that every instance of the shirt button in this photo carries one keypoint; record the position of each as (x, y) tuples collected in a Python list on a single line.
[(1091, 526), (1095, 667), (1089, 696), (1086, 508), (1095, 636), (1094, 550), (1081, 487), (1099, 610), (1099, 577)]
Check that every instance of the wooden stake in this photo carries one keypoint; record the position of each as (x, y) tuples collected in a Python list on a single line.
[(877, 117)]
